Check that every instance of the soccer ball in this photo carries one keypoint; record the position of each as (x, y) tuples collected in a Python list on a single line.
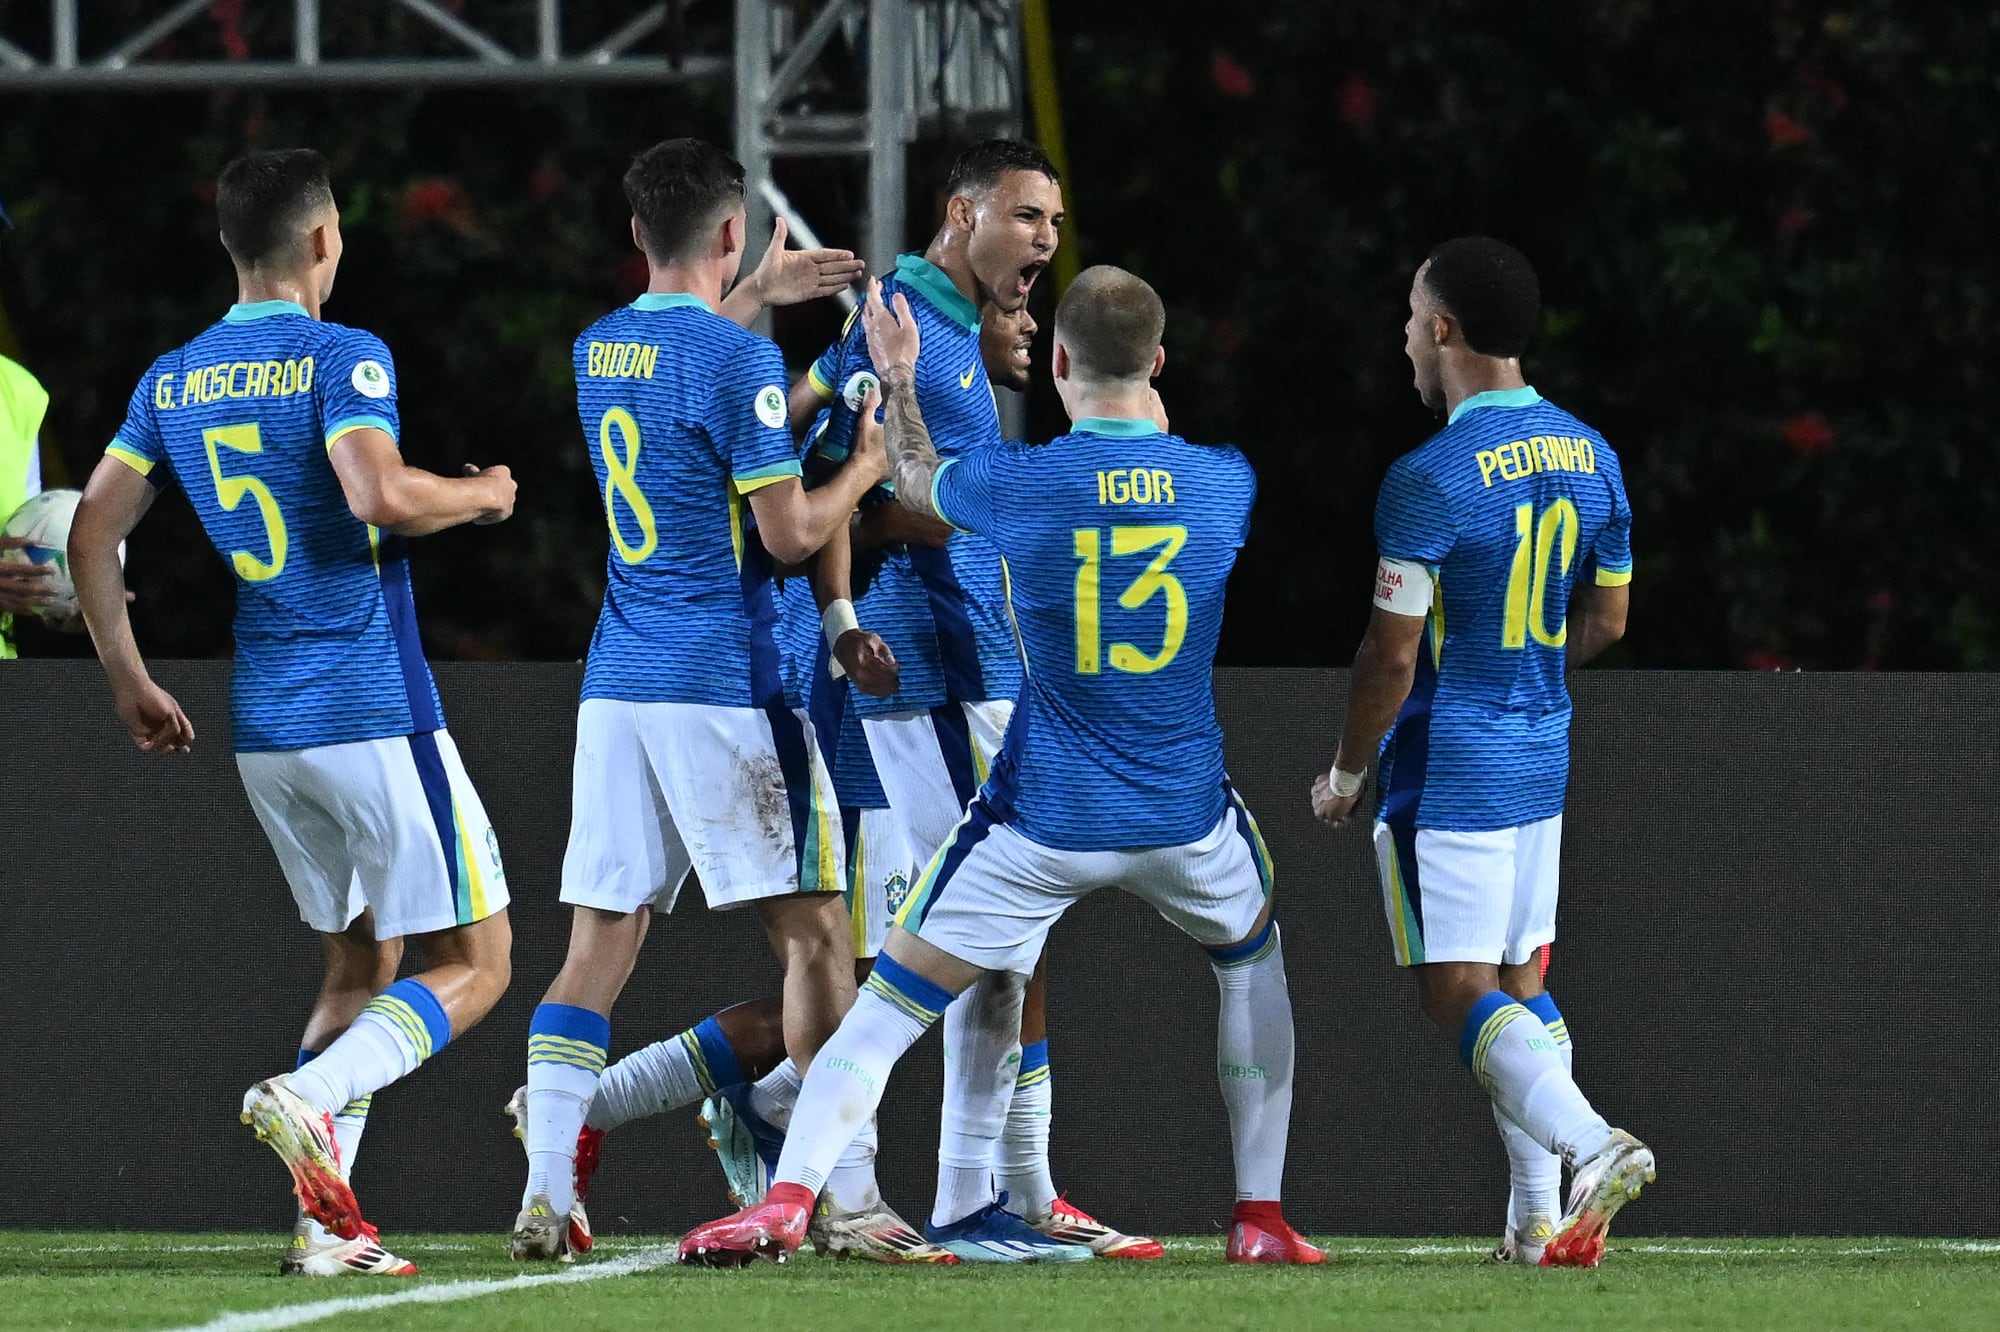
[(44, 523)]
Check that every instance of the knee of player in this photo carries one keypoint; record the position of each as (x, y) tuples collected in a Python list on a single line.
[(1446, 991)]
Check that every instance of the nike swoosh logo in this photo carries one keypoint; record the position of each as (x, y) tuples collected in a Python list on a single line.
[(965, 380)]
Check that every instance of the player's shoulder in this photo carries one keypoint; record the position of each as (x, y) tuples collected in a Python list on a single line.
[(1564, 422), (332, 337)]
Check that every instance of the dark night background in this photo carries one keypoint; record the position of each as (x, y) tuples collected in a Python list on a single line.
[(1761, 228)]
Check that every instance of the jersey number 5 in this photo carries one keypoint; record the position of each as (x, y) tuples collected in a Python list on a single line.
[(1155, 581), (1527, 612), (620, 483), (230, 490)]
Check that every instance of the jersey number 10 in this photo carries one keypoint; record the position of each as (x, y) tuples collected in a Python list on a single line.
[(1527, 594), (1155, 581)]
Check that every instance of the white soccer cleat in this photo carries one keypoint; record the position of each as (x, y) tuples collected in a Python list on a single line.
[(1525, 1243), (322, 1255), (744, 1144), (874, 1234), (540, 1235), (1067, 1223), (303, 1139), (1603, 1184), (580, 1237)]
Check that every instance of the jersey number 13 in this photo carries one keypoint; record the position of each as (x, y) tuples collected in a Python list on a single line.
[(1155, 581)]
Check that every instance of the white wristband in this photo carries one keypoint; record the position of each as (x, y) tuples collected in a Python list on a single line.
[(834, 621), (1346, 783)]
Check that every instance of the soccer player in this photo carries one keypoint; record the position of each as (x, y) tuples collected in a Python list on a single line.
[(282, 431), (1484, 533), (1119, 539), (687, 757)]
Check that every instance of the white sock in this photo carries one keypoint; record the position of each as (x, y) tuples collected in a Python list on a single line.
[(852, 1181), (347, 1128), (646, 1082), (982, 1059), (1534, 1172), (773, 1096), (566, 1053), (845, 1083), (1021, 1169), (1254, 1055), (399, 1029), (1516, 1060)]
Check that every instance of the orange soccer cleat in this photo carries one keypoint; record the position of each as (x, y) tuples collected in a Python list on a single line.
[(772, 1229), (1262, 1235)]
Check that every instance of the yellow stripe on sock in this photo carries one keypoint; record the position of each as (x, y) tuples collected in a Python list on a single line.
[(903, 1001), (406, 1020), (1032, 1077), (1502, 1018)]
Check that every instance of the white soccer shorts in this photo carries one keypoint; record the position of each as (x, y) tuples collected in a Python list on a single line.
[(990, 895), (392, 824), (741, 796), (933, 761), (1469, 896), (882, 868)]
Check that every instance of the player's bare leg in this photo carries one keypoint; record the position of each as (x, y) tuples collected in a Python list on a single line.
[(568, 1042), (1534, 1195), (357, 967), (395, 1031), (1021, 1167), (1512, 1054)]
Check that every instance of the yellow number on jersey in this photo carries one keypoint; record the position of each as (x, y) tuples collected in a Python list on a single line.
[(230, 490), (620, 483), (1527, 586), (1155, 581)]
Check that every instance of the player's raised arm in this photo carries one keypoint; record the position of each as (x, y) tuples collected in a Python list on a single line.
[(388, 493), (893, 345), (795, 522), (114, 501), (790, 277)]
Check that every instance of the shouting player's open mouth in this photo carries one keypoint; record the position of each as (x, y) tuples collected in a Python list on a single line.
[(1026, 280)]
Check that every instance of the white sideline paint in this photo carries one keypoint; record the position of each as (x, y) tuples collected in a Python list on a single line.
[(449, 1292)]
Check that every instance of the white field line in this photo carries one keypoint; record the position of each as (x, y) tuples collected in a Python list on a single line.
[(1691, 1249), (450, 1292)]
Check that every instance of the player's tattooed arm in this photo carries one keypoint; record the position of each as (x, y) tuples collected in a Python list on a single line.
[(893, 344)]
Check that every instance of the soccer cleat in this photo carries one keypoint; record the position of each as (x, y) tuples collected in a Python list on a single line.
[(303, 1139), (747, 1147), (588, 1141), (1067, 1223), (1525, 1243), (995, 1235), (540, 1235), (1273, 1242), (1603, 1184), (771, 1230), (874, 1234), (312, 1257)]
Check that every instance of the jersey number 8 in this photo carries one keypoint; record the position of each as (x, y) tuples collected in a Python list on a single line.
[(230, 490), (620, 482), (1155, 581)]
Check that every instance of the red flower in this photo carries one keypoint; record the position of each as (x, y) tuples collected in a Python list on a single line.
[(1231, 79), (1354, 103), (439, 200), (1795, 220), (1808, 434), (1763, 659), (1784, 132)]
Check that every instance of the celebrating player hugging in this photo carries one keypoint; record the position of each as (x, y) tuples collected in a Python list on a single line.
[(809, 686)]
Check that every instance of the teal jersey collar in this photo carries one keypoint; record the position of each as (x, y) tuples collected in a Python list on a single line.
[(1117, 427), (242, 313), (1524, 396), (930, 282), (667, 300)]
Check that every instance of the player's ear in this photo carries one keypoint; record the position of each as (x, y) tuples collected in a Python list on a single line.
[(638, 240), (958, 212), (1159, 362), (1442, 328), (1059, 361)]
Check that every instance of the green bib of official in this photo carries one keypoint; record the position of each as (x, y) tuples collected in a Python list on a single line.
[(23, 402)]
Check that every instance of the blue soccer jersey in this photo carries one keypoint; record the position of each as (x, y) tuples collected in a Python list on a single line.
[(828, 701), (942, 612), (1119, 541), (243, 418), (1507, 505), (684, 415)]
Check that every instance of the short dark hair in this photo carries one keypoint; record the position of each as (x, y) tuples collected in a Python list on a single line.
[(676, 188), (262, 200), (981, 166), (1489, 287), (1111, 321)]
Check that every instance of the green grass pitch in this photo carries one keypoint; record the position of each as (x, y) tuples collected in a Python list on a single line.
[(227, 1283)]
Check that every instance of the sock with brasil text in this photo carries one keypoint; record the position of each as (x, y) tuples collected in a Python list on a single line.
[(895, 1007), (567, 1046), (1254, 1051), (1021, 1167), (399, 1029), (1534, 1172), (348, 1123), (1515, 1058), (666, 1075)]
